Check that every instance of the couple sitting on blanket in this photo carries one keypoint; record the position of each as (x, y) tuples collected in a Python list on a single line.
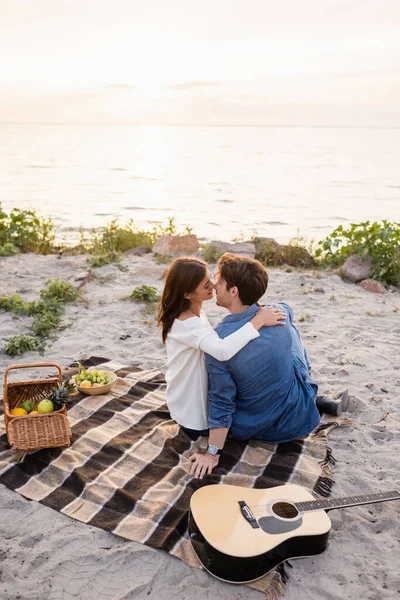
[(258, 369)]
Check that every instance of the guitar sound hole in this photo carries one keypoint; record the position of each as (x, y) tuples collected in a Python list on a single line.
[(285, 510)]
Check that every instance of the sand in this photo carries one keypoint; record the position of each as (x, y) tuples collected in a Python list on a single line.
[(353, 339)]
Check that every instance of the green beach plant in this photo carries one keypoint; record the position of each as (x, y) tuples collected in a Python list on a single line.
[(162, 259), (120, 238), (13, 304), (380, 240), (296, 253), (20, 344), (60, 290), (8, 249), (46, 314), (212, 253), (45, 323), (145, 293), (105, 259), (26, 231)]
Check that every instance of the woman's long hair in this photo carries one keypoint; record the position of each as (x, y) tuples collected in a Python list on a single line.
[(183, 277)]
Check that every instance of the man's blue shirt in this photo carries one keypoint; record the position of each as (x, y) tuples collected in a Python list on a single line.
[(265, 390)]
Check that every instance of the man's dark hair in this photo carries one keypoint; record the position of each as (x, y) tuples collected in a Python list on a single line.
[(247, 274)]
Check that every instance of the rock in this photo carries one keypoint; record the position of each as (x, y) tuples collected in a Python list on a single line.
[(370, 285), (370, 386), (81, 276), (296, 256), (215, 249), (139, 251), (176, 244), (247, 249), (269, 252), (355, 268)]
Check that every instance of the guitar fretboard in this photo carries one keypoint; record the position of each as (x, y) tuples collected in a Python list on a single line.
[(332, 503)]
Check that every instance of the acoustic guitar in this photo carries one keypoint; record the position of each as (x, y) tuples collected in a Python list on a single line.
[(240, 534)]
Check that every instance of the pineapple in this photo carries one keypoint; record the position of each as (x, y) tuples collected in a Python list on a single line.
[(61, 394)]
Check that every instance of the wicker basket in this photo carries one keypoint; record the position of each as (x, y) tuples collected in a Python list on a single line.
[(33, 432)]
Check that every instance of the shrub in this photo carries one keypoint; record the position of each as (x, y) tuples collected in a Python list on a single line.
[(58, 289), (147, 293), (13, 304), (8, 249), (297, 253), (163, 259), (44, 323), (116, 238), (380, 240), (42, 306), (46, 314), (212, 252), (105, 259), (22, 343), (27, 232)]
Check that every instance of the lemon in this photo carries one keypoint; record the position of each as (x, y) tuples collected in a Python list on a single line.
[(18, 412)]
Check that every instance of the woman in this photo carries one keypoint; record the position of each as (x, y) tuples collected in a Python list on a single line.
[(188, 334)]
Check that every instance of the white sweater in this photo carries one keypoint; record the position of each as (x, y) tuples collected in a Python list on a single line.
[(187, 386)]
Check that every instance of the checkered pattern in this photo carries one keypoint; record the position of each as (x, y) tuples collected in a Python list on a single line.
[(126, 470)]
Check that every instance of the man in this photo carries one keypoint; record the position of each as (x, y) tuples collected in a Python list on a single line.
[(264, 391)]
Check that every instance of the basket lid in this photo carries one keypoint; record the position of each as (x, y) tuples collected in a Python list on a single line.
[(39, 431)]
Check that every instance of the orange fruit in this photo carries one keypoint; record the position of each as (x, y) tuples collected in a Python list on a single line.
[(85, 383), (34, 412), (18, 412)]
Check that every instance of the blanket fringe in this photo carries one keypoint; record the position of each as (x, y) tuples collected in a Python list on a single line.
[(323, 486), (329, 458), (277, 586), (330, 425)]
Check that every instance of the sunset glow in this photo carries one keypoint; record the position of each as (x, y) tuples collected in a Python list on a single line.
[(176, 62)]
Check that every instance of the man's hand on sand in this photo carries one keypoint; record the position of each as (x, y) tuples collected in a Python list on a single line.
[(202, 464)]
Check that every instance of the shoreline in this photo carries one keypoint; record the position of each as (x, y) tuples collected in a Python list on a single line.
[(352, 337)]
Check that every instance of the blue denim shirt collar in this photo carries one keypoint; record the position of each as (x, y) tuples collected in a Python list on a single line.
[(249, 312)]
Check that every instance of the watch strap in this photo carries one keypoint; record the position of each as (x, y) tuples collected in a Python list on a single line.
[(217, 453)]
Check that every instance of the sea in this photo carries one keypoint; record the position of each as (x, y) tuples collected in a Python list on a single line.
[(223, 183)]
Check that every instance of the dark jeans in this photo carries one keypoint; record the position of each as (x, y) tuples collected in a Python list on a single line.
[(195, 432)]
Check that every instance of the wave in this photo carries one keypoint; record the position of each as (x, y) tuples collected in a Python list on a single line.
[(274, 223), (147, 208), (344, 183), (146, 178)]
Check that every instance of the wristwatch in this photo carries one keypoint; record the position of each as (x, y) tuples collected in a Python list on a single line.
[(213, 450)]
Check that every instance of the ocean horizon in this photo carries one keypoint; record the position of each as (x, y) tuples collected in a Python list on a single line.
[(221, 181)]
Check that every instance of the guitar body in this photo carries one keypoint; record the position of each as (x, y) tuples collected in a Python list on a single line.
[(239, 549)]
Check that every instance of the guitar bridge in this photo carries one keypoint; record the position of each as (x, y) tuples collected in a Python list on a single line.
[(248, 515)]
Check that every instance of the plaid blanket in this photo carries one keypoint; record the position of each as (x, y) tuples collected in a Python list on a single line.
[(126, 470)]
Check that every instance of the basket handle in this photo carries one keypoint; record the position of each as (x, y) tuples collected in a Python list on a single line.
[(29, 366)]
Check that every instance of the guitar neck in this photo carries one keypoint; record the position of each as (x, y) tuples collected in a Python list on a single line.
[(347, 501)]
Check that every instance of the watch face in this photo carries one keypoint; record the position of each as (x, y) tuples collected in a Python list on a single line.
[(213, 450)]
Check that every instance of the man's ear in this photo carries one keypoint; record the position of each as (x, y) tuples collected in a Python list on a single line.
[(234, 291)]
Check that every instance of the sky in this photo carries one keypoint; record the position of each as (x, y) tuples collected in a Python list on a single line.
[(208, 62)]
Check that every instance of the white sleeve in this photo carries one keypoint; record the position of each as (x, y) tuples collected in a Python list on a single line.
[(203, 337)]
